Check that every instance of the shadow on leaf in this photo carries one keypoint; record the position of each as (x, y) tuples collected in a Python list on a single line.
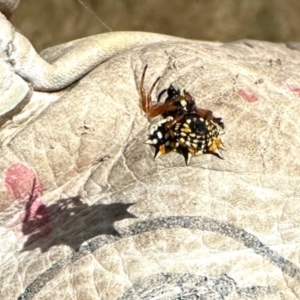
[(69, 222)]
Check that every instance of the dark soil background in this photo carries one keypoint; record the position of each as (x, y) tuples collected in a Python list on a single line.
[(51, 22)]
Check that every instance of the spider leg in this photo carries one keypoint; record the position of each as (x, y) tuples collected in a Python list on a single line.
[(152, 110), (146, 98), (208, 115), (142, 90), (159, 109), (204, 113), (160, 94), (187, 96)]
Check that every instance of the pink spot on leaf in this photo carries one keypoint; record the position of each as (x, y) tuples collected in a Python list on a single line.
[(19, 180), (248, 95), (295, 89), (23, 185)]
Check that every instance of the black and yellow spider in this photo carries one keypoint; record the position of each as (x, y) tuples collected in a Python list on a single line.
[(185, 128)]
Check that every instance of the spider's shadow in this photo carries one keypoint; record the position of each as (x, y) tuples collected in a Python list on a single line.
[(70, 222)]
